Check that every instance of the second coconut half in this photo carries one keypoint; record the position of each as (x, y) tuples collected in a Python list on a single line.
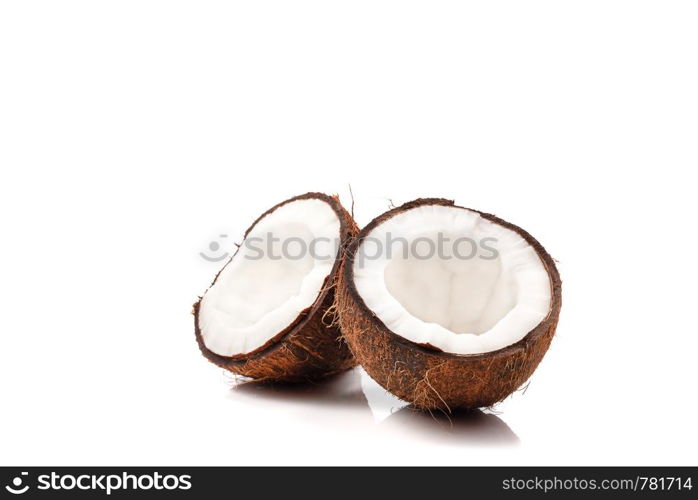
[(268, 314), (447, 307)]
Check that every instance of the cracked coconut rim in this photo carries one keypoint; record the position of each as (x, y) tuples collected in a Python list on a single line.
[(452, 279)]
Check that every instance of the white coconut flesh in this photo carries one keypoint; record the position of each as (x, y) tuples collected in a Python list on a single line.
[(273, 277), (481, 289)]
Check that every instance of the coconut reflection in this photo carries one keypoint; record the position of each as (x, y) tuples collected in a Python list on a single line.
[(343, 390), (459, 428), (352, 398), (474, 427)]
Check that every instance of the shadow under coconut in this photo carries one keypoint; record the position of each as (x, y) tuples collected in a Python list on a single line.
[(459, 428), (343, 389)]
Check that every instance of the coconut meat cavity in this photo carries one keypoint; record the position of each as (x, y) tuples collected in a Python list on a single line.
[(277, 273), (446, 277)]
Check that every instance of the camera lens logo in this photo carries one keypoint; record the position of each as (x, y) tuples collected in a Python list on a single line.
[(16, 487)]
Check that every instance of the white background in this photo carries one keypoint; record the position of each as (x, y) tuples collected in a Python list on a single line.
[(133, 133)]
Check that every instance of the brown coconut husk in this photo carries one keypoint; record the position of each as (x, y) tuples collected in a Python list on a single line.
[(423, 375), (312, 346)]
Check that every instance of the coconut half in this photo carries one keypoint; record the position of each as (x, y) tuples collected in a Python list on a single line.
[(448, 307), (268, 313)]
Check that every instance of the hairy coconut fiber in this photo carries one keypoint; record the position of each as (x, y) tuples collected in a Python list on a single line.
[(312, 346), (428, 377)]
